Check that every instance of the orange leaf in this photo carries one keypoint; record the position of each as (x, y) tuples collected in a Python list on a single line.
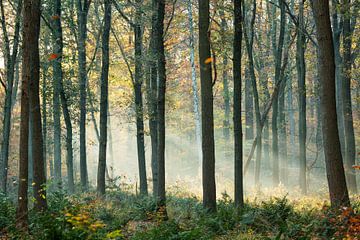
[(53, 56), (55, 17), (208, 60), (356, 167)]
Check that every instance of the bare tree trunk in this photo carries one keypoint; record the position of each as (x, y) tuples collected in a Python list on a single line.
[(346, 99), (82, 14), (104, 98), (238, 135), (249, 47), (57, 78), (10, 63), (278, 61), (207, 113), (139, 109), (194, 85), (226, 123), (338, 71), (161, 106), (334, 165), (31, 69), (301, 71)]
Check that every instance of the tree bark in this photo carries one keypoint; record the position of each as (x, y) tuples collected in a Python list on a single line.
[(226, 123), (334, 165), (346, 99), (278, 61), (82, 14), (104, 98), (207, 114), (139, 109), (238, 135), (249, 47), (161, 106), (301, 72), (152, 97), (10, 64), (194, 85), (57, 78)]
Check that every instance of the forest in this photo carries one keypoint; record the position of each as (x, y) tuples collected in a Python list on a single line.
[(179, 119)]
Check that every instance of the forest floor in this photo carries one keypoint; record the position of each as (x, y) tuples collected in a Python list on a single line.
[(124, 215)]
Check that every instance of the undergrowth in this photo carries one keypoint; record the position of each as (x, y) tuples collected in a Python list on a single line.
[(122, 215)]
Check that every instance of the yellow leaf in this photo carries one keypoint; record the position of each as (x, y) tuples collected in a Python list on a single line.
[(208, 60)]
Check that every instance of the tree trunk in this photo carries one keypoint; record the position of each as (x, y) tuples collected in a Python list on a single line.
[(194, 85), (346, 100), (22, 207), (57, 78), (338, 73), (207, 114), (226, 123), (10, 63), (139, 98), (278, 61), (31, 69), (161, 105), (152, 97), (82, 14), (238, 135), (334, 165), (301, 72), (249, 47), (104, 98), (249, 107)]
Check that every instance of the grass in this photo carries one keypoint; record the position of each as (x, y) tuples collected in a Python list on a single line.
[(123, 215)]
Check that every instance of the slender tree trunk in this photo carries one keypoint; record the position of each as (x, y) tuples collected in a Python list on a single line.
[(226, 123), (338, 72), (152, 97), (194, 85), (249, 107), (139, 98), (207, 113), (82, 14), (57, 78), (238, 135), (249, 47), (346, 99), (161, 105), (278, 61), (301, 72), (104, 98), (334, 165), (10, 63)]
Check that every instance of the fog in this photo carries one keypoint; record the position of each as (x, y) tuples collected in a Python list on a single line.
[(182, 164)]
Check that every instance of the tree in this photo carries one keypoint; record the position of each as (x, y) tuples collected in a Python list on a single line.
[(194, 83), (161, 104), (152, 97), (239, 189), (334, 165), (249, 40), (301, 71), (138, 30), (31, 38), (207, 113), (278, 63), (82, 17), (104, 98), (226, 123), (57, 78), (346, 98), (10, 57)]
